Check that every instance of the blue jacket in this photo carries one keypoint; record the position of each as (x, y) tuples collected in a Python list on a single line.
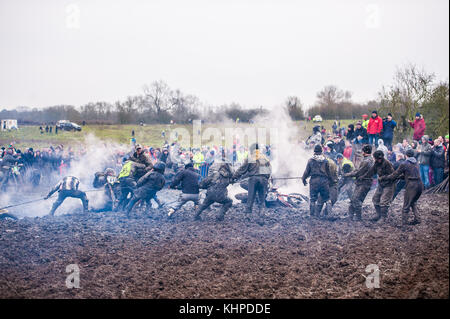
[(388, 129)]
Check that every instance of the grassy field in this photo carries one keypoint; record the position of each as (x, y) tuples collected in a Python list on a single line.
[(149, 135)]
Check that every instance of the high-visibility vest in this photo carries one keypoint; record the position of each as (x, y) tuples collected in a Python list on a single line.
[(126, 169), (198, 159), (365, 124), (241, 156), (347, 161)]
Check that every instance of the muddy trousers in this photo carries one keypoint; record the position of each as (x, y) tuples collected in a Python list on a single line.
[(357, 200), (318, 186), (413, 190), (142, 193), (184, 198), (383, 195), (329, 204), (382, 199), (257, 185), (211, 199), (62, 195), (400, 185), (126, 186)]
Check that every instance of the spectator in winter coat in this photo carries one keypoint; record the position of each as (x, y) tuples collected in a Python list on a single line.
[(361, 134), (424, 153), (388, 131), (350, 133), (365, 121), (374, 128), (438, 162), (383, 148), (418, 126), (339, 144), (348, 150)]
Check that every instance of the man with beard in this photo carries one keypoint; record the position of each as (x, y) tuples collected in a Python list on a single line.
[(362, 183), (409, 170), (318, 168)]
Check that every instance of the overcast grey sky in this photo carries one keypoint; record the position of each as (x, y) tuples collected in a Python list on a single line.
[(247, 51)]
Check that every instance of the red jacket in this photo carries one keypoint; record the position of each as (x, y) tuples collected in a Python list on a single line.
[(419, 129), (348, 152), (375, 125)]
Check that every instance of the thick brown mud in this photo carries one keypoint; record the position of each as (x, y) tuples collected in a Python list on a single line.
[(288, 256)]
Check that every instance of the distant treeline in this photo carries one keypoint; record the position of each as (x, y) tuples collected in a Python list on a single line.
[(412, 90), (160, 105)]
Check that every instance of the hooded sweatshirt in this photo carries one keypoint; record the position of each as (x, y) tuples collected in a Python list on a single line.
[(419, 128)]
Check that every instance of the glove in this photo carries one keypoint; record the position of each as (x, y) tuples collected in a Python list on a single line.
[(46, 197), (305, 182)]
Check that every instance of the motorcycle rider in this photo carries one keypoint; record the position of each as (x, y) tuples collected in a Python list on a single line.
[(67, 187)]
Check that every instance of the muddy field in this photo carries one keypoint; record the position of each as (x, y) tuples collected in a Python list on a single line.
[(289, 256)]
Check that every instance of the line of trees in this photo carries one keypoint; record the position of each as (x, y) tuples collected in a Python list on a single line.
[(158, 104), (412, 90)]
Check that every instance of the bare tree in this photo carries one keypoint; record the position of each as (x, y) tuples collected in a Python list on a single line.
[(410, 88), (331, 95), (157, 96), (295, 108)]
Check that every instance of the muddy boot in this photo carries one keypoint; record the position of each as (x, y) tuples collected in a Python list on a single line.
[(52, 212), (328, 210), (220, 217), (351, 214), (130, 206), (85, 206), (312, 210), (378, 215), (384, 212), (404, 219), (357, 217), (318, 210), (416, 219), (197, 215)]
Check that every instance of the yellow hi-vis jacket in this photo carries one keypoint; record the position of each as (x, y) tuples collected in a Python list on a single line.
[(347, 161), (198, 160), (126, 169)]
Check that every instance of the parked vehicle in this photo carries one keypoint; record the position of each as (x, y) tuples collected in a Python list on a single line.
[(68, 126), (317, 118)]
